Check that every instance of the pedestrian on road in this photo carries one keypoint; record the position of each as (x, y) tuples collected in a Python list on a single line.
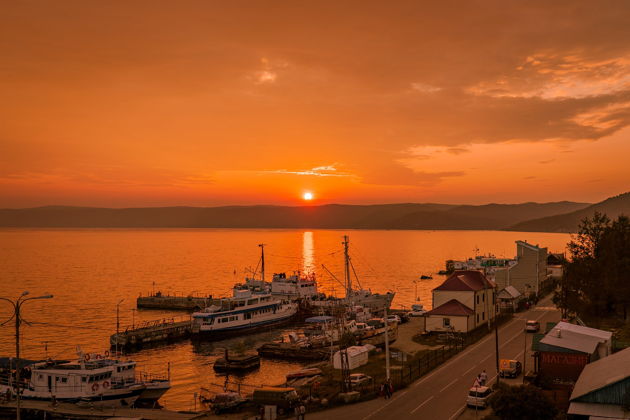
[(477, 382), (484, 377), (302, 412)]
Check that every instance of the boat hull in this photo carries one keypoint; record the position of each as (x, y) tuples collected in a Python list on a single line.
[(220, 334), (123, 398), (153, 391)]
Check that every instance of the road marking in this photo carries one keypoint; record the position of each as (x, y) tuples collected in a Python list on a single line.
[(464, 374), (486, 358), (454, 380), (462, 354), (400, 394), (457, 413), (418, 407)]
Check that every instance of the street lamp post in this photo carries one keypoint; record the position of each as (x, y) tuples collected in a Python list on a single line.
[(17, 305)]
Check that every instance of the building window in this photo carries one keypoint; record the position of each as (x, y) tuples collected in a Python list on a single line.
[(483, 297), (477, 318), (477, 299), (483, 316), (446, 322)]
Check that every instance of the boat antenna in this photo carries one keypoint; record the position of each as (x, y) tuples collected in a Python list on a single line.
[(262, 260), (332, 275), (355, 274), (346, 242)]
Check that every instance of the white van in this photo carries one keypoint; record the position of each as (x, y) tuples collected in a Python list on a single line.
[(478, 396)]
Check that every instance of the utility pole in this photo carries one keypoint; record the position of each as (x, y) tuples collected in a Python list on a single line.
[(386, 345), (525, 351), (496, 339), (17, 305)]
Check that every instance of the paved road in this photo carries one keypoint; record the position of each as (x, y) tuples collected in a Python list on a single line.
[(442, 393)]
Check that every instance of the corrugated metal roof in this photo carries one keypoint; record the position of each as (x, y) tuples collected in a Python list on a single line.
[(598, 411), (576, 337), (511, 291), (602, 373)]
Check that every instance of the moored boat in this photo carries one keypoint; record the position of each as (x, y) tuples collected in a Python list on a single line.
[(239, 363), (66, 381), (245, 312)]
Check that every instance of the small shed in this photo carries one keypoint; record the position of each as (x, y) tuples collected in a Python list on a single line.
[(508, 298), (357, 356)]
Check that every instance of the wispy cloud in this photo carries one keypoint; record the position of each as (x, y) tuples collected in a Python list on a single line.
[(327, 170)]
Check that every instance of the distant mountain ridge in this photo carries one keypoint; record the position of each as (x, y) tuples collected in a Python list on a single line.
[(331, 216), (613, 207)]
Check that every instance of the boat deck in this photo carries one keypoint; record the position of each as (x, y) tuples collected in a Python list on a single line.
[(73, 411)]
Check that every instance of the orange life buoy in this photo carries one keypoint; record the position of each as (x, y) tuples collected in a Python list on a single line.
[(106, 353), (98, 356), (95, 387), (105, 384), (86, 357)]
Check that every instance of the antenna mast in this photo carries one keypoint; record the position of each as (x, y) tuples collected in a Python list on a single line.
[(262, 260), (346, 242)]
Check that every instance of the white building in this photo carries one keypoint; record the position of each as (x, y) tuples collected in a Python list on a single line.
[(462, 303)]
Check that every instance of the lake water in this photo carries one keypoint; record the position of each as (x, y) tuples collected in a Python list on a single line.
[(90, 270)]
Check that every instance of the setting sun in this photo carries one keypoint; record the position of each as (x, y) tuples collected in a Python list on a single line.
[(308, 196)]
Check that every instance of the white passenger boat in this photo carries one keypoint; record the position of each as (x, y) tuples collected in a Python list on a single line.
[(124, 373), (296, 285), (66, 381), (245, 312)]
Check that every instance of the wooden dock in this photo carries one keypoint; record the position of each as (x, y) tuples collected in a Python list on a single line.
[(45, 409), (152, 332)]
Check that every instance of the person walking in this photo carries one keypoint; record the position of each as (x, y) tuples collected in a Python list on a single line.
[(302, 409), (484, 378)]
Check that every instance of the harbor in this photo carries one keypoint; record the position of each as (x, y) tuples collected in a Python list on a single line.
[(164, 333)]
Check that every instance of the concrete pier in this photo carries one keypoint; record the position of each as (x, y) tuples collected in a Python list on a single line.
[(185, 303), (152, 332)]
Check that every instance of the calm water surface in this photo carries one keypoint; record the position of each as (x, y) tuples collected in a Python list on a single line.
[(90, 270)]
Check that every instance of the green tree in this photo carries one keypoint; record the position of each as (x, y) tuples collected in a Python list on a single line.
[(522, 402), (596, 280)]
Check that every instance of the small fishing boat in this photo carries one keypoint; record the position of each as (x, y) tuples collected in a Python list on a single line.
[(236, 363), (304, 373), (425, 277)]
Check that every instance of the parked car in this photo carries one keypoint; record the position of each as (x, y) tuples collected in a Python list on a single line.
[(358, 379), (478, 396), (417, 310), (404, 317), (532, 326), (510, 368), (393, 318)]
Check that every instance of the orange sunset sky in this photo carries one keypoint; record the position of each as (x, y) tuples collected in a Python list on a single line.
[(150, 103)]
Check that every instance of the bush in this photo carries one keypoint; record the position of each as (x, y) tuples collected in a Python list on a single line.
[(522, 402)]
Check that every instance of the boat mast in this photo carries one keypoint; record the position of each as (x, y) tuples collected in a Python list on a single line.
[(346, 242), (262, 260)]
